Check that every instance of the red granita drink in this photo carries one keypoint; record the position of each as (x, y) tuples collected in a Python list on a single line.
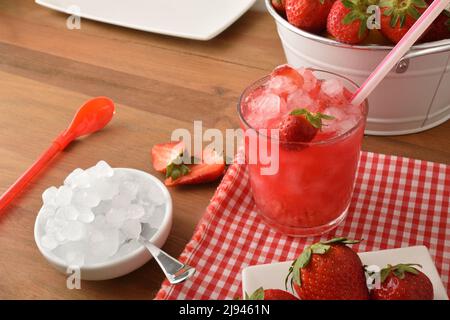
[(306, 116)]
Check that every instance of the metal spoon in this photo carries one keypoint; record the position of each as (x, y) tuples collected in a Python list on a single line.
[(175, 271)]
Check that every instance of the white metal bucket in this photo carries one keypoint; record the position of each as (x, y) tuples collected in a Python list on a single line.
[(414, 97)]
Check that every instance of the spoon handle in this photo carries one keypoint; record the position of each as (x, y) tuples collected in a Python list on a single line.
[(175, 271), (20, 184)]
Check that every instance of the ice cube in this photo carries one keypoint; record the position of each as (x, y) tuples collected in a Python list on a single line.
[(122, 200), (310, 80), (128, 247), (158, 216), (105, 188), (281, 85), (85, 214), (100, 170), (49, 242), (333, 87), (49, 196), (116, 217), (86, 197), (74, 230), (77, 179), (335, 112), (151, 194), (135, 211), (47, 212), (104, 243), (266, 105), (63, 196), (301, 100), (103, 207), (129, 189), (149, 212), (72, 252), (132, 228), (347, 124), (67, 212)]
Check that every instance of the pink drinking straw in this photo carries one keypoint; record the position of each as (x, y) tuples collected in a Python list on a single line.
[(396, 54)]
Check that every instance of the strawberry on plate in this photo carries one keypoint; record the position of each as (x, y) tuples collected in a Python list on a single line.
[(308, 15), (270, 294), (210, 169), (301, 126), (164, 154), (403, 282), (279, 5), (398, 16), (329, 270), (347, 21)]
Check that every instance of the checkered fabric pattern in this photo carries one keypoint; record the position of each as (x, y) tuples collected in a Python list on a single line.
[(397, 202)]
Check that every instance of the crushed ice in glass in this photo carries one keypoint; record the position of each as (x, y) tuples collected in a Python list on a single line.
[(99, 214)]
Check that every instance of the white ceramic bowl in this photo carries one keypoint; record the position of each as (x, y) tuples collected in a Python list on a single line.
[(414, 97), (121, 265)]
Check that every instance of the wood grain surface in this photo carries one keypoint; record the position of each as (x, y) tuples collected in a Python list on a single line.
[(158, 83)]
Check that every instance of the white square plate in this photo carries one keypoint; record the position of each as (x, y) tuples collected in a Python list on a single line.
[(272, 276), (193, 19)]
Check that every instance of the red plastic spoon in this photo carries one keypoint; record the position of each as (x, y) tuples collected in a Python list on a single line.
[(93, 116)]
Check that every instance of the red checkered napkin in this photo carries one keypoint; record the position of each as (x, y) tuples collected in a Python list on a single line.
[(397, 202)]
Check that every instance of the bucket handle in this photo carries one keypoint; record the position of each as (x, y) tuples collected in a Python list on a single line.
[(403, 65)]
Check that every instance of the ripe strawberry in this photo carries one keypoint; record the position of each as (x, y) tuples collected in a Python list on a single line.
[(270, 294), (440, 29), (329, 271), (403, 282), (301, 126), (347, 21), (308, 15), (211, 168), (279, 5), (398, 16), (165, 153)]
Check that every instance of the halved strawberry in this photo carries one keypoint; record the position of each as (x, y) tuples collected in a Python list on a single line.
[(301, 126), (270, 294), (164, 154), (211, 168)]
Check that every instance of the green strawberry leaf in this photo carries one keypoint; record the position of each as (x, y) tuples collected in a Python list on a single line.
[(412, 11), (420, 3), (399, 270), (348, 4), (315, 119), (342, 240), (257, 295), (177, 169)]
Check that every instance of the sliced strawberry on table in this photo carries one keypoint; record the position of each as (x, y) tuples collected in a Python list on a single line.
[(211, 168), (329, 270), (270, 294), (347, 21), (398, 16), (164, 154), (301, 126), (308, 15)]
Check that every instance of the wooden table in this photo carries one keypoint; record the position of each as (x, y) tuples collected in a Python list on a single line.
[(159, 83)]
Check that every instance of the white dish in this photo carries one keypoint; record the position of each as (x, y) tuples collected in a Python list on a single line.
[(193, 19), (121, 265), (272, 276)]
